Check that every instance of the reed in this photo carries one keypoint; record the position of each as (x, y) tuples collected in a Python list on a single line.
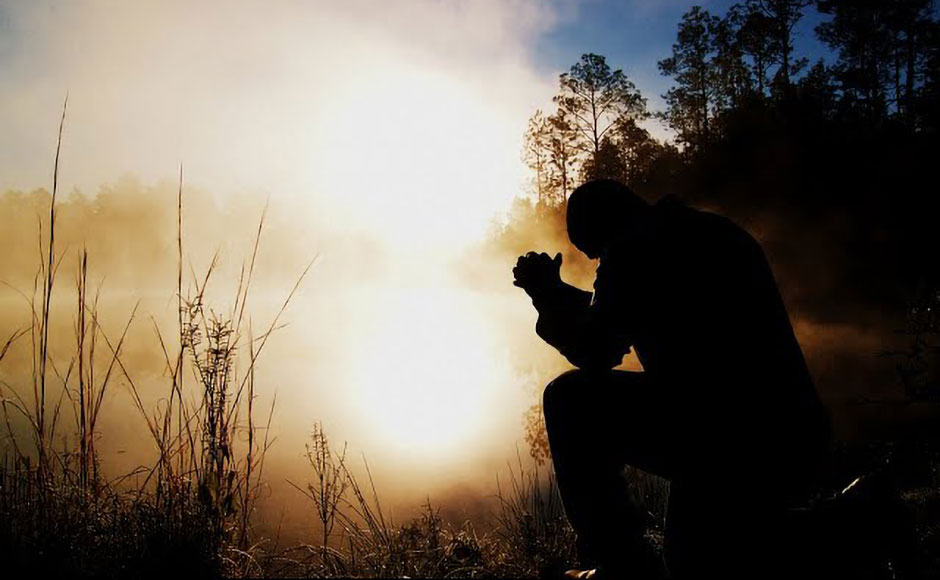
[(193, 506)]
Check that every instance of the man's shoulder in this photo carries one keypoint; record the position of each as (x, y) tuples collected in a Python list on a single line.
[(672, 208), (700, 224)]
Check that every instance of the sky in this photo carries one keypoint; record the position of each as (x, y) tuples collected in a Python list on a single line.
[(635, 34), (304, 101), (244, 91)]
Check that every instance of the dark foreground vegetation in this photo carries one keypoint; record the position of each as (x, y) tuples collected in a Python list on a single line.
[(831, 164)]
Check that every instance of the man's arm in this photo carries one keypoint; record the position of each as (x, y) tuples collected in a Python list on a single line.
[(560, 309), (587, 329), (584, 327)]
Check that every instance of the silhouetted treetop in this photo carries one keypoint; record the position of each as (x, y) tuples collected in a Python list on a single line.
[(596, 98)]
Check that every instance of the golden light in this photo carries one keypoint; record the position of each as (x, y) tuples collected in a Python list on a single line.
[(418, 155), (427, 380), (390, 135), (423, 175)]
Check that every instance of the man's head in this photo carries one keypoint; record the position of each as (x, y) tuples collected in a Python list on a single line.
[(598, 211)]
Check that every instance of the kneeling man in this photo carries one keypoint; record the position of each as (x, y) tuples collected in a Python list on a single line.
[(725, 407)]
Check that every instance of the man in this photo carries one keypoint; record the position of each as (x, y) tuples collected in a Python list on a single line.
[(725, 408)]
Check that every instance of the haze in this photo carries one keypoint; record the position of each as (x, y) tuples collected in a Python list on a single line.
[(387, 139)]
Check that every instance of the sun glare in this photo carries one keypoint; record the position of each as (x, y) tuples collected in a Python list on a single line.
[(424, 375), (442, 160), (428, 379)]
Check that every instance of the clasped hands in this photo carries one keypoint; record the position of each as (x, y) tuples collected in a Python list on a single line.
[(537, 273)]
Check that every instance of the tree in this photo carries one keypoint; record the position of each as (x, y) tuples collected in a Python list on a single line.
[(535, 153), (859, 34), (606, 163), (627, 155), (579, 139), (733, 77), (927, 98), (638, 150), (911, 25), (594, 133), (817, 86), (882, 49), (753, 35), (551, 151), (563, 156), (595, 98), (691, 103), (779, 18)]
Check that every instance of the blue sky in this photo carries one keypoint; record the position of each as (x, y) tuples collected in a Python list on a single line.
[(635, 34)]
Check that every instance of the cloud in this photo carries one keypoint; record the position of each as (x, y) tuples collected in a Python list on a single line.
[(266, 96)]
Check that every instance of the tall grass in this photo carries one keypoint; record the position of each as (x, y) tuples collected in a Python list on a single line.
[(532, 524), (192, 508), (531, 537)]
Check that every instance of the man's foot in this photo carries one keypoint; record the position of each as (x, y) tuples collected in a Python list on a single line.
[(576, 574), (647, 566), (605, 574)]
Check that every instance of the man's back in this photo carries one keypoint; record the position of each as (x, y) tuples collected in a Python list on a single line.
[(708, 322)]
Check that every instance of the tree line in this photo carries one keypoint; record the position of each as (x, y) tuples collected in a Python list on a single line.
[(726, 67)]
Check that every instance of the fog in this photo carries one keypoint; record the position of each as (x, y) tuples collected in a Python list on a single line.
[(352, 112), (410, 367), (383, 138)]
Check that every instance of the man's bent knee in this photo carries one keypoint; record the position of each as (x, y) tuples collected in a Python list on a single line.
[(558, 393), (577, 388)]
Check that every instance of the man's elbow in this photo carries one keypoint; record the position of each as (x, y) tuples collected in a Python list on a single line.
[(592, 360)]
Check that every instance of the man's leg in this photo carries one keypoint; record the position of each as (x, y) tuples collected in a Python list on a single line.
[(597, 423), (727, 526), (728, 506)]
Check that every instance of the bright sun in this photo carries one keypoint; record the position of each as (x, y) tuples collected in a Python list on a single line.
[(442, 160), (422, 176), (429, 167), (427, 377)]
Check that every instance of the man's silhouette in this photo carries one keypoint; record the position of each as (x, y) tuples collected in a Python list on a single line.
[(725, 408)]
